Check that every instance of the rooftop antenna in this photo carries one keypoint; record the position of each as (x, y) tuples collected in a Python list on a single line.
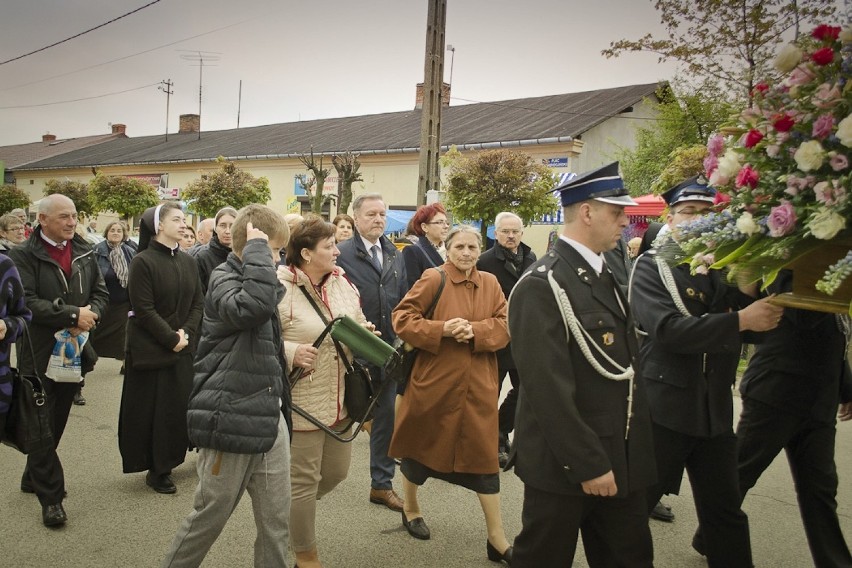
[(166, 87), (452, 51), (239, 102), (202, 58)]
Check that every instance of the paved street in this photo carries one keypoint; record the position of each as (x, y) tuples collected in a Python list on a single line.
[(115, 520)]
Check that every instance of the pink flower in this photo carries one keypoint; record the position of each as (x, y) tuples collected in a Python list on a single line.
[(752, 138), (823, 56), (825, 32), (801, 75), (829, 193), (773, 150), (783, 123), (711, 162), (716, 144), (838, 162), (826, 96), (823, 126), (782, 137), (747, 177), (720, 199), (782, 219)]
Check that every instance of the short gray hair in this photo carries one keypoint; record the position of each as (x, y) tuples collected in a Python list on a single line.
[(507, 215), (48, 203), (359, 201), (459, 229)]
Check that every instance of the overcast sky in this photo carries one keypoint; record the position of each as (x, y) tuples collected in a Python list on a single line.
[(298, 60)]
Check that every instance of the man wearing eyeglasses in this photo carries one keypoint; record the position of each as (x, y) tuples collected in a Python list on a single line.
[(507, 260), (693, 326)]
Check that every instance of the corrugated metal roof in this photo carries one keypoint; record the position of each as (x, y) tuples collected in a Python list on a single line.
[(20, 154), (531, 119)]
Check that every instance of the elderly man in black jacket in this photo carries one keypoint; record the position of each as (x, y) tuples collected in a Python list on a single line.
[(65, 290), (507, 260), (693, 325), (377, 269)]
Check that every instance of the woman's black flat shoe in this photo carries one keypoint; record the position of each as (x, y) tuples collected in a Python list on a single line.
[(416, 528), (495, 556)]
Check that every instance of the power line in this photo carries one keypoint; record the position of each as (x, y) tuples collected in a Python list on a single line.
[(82, 99), (79, 34), (127, 56)]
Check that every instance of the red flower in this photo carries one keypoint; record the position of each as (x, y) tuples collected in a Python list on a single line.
[(783, 123), (721, 198), (823, 56), (747, 177), (760, 88), (752, 138), (825, 32)]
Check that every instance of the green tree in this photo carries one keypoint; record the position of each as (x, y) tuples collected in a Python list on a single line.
[(729, 42), (347, 167), (12, 197), (125, 196), (229, 186), (318, 180), (682, 121), (483, 184), (76, 191)]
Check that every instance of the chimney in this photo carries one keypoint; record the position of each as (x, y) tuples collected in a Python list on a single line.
[(119, 129), (46, 139), (189, 123), (445, 95)]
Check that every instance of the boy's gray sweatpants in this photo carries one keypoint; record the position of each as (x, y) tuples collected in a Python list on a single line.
[(222, 479)]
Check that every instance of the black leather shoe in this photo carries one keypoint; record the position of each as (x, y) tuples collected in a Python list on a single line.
[(495, 556), (160, 483), (53, 515), (662, 513), (416, 528), (79, 400)]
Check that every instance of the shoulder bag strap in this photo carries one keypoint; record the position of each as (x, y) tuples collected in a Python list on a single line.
[(437, 297), (320, 339)]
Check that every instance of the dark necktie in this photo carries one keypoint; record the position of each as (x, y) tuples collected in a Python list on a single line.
[(374, 250)]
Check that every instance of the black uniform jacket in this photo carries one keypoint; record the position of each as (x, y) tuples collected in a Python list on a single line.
[(570, 422), (494, 261), (800, 366), (689, 364)]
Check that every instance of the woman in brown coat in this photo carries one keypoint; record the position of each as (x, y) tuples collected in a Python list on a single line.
[(446, 424)]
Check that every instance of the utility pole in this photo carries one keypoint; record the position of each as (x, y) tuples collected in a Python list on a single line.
[(166, 87), (202, 58), (239, 102), (433, 79)]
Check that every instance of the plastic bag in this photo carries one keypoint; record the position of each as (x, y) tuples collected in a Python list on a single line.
[(65, 365)]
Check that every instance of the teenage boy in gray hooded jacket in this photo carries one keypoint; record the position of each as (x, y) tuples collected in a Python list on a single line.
[(239, 409)]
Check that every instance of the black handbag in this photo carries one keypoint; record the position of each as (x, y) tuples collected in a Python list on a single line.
[(27, 427), (400, 371)]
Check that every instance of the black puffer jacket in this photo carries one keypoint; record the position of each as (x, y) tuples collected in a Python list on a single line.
[(209, 258), (54, 299), (239, 385)]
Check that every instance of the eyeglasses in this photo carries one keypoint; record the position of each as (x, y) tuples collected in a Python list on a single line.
[(438, 223), (510, 232), (689, 212)]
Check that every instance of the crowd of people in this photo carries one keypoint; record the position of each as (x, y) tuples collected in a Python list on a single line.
[(622, 371)]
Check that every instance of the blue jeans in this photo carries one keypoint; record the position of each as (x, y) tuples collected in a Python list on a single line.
[(382, 466)]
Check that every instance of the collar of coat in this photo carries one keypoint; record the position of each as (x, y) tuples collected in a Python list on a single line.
[(456, 276)]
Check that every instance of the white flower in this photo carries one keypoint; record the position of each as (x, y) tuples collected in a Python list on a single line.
[(844, 131), (826, 223), (788, 58), (729, 164), (846, 35), (810, 155), (746, 224)]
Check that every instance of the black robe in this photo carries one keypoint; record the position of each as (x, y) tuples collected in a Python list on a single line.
[(165, 295)]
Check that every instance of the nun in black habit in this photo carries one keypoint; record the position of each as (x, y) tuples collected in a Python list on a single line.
[(162, 335)]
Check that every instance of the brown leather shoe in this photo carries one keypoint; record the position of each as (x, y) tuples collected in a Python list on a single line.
[(386, 497)]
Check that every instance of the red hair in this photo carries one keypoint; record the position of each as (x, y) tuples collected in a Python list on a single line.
[(424, 214)]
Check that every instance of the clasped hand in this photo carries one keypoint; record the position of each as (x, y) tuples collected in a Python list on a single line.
[(459, 329)]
